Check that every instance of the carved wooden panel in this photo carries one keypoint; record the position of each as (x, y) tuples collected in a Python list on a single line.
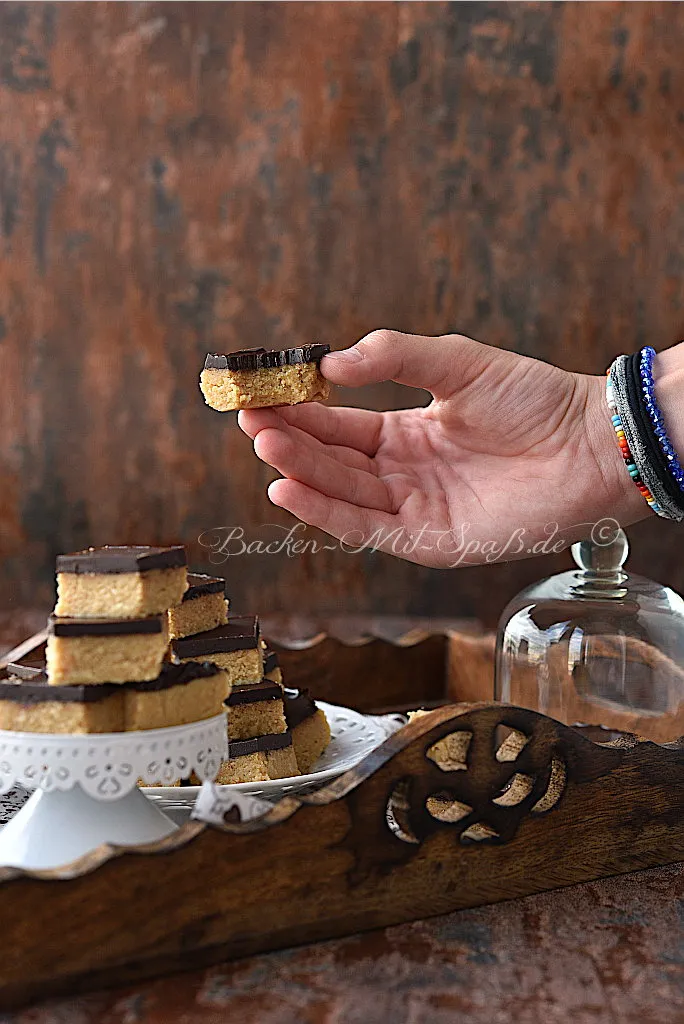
[(463, 806)]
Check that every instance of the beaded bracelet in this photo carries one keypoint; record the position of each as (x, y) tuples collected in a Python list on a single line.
[(648, 389), (624, 447)]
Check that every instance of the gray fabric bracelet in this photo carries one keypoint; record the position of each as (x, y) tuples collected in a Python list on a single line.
[(647, 472)]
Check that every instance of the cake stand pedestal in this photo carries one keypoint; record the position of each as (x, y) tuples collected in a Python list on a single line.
[(86, 787)]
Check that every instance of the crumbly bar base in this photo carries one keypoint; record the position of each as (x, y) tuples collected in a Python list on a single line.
[(105, 659), (275, 675), (64, 717), (198, 615), (122, 595), (178, 705), (240, 666), (225, 390), (310, 738), (259, 767), (247, 721)]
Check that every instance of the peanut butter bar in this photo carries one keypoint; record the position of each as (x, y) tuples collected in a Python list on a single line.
[(180, 694), (202, 607), (29, 704), (105, 650), (255, 378), (120, 582), (308, 726), (234, 647), (260, 759), (255, 709), (272, 666)]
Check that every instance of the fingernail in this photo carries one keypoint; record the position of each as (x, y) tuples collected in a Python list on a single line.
[(346, 355)]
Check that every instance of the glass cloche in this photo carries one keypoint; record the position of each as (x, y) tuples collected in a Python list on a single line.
[(596, 646)]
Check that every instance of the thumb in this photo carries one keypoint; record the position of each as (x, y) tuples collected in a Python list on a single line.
[(434, 364)]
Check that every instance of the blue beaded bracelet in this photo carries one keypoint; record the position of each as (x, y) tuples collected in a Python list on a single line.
[(648, 388)]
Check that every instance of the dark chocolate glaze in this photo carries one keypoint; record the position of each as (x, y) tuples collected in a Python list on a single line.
[(112, 559), (252, 693), (104, 627), (199, 585), (298, 707), (270, 661), (274, 741), (170, 675), (176, 675), (261, 358), (22, 688), (240, 633)]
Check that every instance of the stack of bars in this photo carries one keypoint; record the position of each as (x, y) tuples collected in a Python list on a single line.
[(136, 642), (273, 732), (108, 666)]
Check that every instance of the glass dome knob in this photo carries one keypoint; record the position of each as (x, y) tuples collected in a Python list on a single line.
[(605, 551)]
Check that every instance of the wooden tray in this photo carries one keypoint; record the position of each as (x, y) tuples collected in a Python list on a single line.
[(468, 804)]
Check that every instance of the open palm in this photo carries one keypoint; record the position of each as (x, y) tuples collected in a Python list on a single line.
[(511, 457)]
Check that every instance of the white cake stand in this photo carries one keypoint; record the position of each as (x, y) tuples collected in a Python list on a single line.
[(86, 787)]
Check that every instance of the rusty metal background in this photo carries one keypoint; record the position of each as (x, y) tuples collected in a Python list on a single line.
[(178, 176)]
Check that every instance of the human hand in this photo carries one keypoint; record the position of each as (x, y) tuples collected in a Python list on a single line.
[(512, 453)]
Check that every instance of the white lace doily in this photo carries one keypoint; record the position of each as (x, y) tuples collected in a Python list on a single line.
[(107, 766), (214, 802)]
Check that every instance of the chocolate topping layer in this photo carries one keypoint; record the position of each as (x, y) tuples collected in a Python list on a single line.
[(273, 741), (252, 693), (133, 558), (261, 358), (176, 675), (199, 585), (240, 633), (104, 627), (24, 688), (270, 661), (298, 707)]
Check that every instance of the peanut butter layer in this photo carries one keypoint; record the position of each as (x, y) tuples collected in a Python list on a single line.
[(234, 646), (310, 738), (272, 666), (179, 695), (255, 710), (226, 390), (308, 725), (239, 666), (98, 651), (258, 760), (202, 613), (29, 704), (119, 595)]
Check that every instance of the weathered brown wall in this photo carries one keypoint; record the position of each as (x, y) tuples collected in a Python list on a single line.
[(178, 176)]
